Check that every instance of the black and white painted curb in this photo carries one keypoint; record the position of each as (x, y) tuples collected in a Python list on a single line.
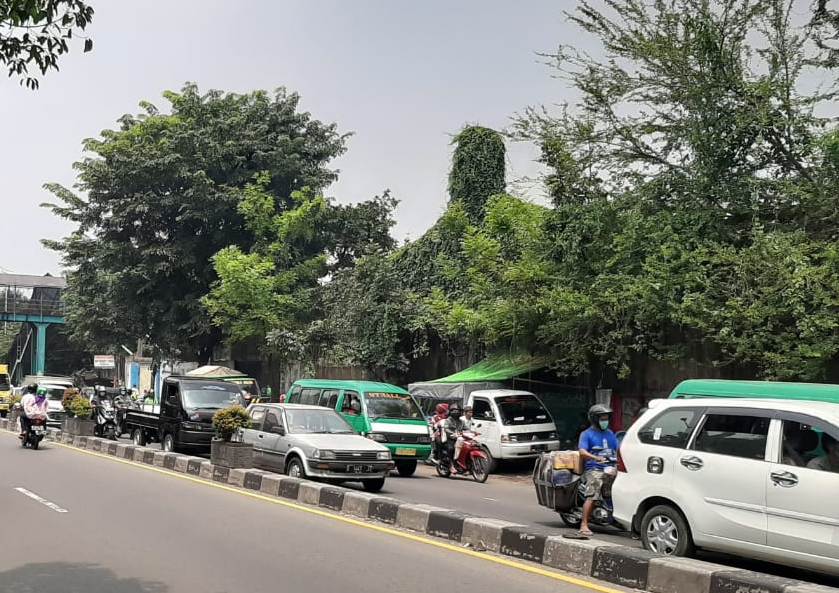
[(613, 563)]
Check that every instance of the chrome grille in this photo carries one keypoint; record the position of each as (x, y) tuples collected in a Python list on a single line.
[(399, 437), (356, 456)]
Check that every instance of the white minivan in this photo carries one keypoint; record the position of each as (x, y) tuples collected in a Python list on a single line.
[(512, 424), (756, 478)]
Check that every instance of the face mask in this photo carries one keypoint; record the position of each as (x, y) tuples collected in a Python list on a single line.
[(604, 424)]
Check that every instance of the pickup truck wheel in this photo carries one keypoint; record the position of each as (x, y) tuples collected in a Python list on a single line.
[(406, 469), (373, 485), (294, 468), (168, 444), (138, 438)]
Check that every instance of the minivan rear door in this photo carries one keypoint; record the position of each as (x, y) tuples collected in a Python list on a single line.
[(722, 477)]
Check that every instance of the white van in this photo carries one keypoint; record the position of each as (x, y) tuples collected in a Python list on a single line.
[(512, 424)]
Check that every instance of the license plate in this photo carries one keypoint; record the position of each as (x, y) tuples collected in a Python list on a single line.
[(411, 452), (359, 469), (539, 448), (39, 429)]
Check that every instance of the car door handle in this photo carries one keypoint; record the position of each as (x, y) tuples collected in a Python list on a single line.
[(785, 479), (692, 463)]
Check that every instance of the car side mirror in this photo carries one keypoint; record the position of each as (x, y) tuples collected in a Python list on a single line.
[(278, 430)]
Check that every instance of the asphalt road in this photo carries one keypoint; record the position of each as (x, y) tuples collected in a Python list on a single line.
[(128, 529)]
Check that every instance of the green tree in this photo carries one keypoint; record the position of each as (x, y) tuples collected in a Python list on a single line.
[(162, 197), (39, 32), (478, 169)]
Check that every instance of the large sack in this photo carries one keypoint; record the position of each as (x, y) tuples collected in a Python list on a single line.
[(569, 460)]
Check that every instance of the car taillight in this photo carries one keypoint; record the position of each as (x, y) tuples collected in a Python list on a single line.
[(621, 464)]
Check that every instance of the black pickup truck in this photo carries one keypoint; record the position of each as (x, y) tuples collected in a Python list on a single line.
[(184, 419)]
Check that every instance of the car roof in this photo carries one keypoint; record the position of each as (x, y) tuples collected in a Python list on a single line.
[(756, 389), (825, 410), (368, 386), (498, 392), (293, 407)]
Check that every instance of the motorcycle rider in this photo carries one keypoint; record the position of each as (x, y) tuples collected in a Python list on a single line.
[(597, 444), (442, 412), (467, 423), (34, 404), (453, 428)]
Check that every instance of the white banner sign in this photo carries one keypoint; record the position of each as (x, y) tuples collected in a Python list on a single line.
[(104, 361)]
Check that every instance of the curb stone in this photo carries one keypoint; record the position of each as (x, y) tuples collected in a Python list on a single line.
[(332, 497), (193, 466), (681, 575), (573, 555), (622, 565), (158, 458), (148, 456), (220, 473), (524, 542), (289, 487), (358, 504), (181, 463), (206, 470), (384, 509), (745, 581), (484, 533), (309, 493), (253, 479), (446, 524), (415, 516), (270, 484), (236, 477)]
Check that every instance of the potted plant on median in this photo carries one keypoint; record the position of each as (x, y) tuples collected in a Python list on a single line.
[(78, 410), (14, 412), (225, 451)]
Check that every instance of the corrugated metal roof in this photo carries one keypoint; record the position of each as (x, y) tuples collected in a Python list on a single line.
[(25, 281)]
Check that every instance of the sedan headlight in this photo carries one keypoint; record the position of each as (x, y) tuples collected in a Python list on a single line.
[(377, 436), (384, 455), (323, 454)]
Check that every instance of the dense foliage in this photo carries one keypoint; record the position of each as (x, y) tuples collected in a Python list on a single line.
[(39, 32), (229, 421), (161, 195)]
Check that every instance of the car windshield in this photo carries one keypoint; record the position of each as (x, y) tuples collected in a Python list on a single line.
[(310, 421), (212, 396), (392, 405), (55, 393), (522, 409)]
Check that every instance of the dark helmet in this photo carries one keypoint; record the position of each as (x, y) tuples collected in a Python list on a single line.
[(31, 388), (454, 411), (598, 410)]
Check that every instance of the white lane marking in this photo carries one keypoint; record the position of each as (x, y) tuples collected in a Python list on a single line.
[(43, 501), (492, 499)]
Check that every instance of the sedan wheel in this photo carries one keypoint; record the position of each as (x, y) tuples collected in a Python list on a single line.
[(295, 469)]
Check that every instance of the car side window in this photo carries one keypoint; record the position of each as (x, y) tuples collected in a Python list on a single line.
[(734, 435), (671, 428), (810, 443), (310, 396), (293, 394), (329, 398), (257, 415), (482, 410), (272, 421)]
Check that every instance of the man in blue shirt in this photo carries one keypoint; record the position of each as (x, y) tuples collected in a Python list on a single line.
[(598, 445)]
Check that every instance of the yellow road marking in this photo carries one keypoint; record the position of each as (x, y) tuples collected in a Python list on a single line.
[(381, 529)]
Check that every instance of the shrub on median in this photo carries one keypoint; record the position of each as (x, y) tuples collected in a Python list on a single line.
[(228, 421), (70, 394), (77, 406)]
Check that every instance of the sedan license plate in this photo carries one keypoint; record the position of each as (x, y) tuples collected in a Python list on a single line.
[(360, 469), (411, 452), (539, 448)]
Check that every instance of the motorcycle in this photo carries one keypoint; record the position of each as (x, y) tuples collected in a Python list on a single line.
[(122, 404), (103, 413), (472, 457), (36, 433), (569, 489)]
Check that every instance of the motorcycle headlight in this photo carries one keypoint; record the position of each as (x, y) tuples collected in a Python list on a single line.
[(377, 436), (384, 455), (323, 454)]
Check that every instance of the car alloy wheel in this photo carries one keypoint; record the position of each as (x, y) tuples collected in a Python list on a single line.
[(662, 535)]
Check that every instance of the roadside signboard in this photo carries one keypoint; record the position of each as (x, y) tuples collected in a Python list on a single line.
[(104, 361)]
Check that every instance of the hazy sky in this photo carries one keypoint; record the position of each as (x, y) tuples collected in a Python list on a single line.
[(403, 76)]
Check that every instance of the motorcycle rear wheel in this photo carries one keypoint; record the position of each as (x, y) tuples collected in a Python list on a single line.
[(573, 520), (35, 442), (480, 469), (444, 470)]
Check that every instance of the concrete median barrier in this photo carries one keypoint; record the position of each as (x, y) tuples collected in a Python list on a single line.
[(206, 470), (681, 575), (193, 466), (446, 524), (158, 458), (482, 533), (358, 504), (220, 474), (740, 581), (271, 484), (332, 497), (181, 463), (622, 565), (253, 479), (414, 517), (290, 487), (524, 542), (309, 493), (111, 448), (572, 555), (148, 456), (236, 477), (384, 510)]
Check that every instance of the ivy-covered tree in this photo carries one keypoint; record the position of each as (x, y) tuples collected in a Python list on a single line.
[(39, 32), (478, 169), (160, 197)]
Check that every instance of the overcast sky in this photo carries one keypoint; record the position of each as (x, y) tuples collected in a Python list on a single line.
[(403, 76)]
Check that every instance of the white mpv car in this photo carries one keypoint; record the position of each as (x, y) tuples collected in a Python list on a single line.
[(756, 478)]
